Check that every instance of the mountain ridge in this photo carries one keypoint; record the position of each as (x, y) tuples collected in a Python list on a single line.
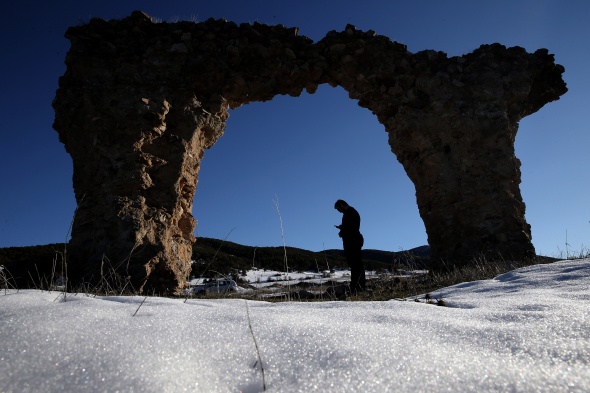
[(29, 265), (273, 257)]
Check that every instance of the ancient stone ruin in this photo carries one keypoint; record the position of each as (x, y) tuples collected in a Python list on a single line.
[(141, 101)]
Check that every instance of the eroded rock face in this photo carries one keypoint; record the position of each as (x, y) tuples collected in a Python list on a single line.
[(141, 101)]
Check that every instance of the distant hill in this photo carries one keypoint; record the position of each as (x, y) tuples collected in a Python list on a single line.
[(219, 254), (27, 265)]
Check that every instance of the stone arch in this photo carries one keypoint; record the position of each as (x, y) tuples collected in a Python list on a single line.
[(140, 102)]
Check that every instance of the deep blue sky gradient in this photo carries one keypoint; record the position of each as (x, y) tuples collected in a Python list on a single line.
[(305, 152)]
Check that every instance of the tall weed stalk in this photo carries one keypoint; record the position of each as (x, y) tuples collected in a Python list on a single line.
[(276, 203)]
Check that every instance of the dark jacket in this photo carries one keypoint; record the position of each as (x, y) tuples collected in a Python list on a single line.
[(351, 223)]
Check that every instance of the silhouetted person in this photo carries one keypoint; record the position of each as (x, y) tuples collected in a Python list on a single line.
[(352, 242)]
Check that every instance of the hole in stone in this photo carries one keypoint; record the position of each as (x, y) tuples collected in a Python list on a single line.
[(307, 152)]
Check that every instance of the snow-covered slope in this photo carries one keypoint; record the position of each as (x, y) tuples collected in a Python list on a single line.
[(527, 330)]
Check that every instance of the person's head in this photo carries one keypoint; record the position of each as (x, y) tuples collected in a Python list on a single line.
[(340, 205)]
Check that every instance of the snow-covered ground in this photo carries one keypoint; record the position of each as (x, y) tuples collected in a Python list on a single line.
[(277, 284), (524, 331), (261, 278)]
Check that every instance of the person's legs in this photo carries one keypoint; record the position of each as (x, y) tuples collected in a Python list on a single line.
[(358, 284), (359, 260), (352, 250), (355, 277)]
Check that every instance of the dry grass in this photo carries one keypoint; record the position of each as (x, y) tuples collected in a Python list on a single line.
[(405, 283), (401, 285)]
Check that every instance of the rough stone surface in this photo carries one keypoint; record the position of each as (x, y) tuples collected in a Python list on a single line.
[(141, 101)]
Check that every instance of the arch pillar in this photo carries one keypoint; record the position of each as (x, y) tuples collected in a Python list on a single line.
[(452, 124), (466, 177), (136, 160)]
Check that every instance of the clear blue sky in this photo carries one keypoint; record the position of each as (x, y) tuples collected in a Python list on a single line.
[(306, 151)]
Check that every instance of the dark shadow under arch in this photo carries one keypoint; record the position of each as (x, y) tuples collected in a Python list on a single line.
[(141, 101)]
